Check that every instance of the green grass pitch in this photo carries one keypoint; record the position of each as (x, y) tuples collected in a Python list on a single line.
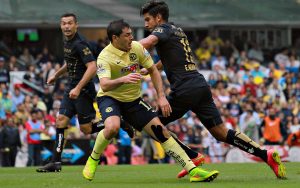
[(232, 175)]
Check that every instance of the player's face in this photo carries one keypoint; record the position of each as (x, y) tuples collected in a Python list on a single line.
[(68, 26), (150, 22), (123, 42)]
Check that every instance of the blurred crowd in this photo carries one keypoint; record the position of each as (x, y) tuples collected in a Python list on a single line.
[(253, 90)]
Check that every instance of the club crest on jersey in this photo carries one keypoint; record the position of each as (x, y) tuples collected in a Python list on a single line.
[(132, 57), (130, 68), (86, 51), (108, 109)]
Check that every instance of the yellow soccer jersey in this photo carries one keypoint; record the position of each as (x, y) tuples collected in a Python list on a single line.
[(113, 63)]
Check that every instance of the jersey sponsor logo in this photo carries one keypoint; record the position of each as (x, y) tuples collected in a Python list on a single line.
[(109, 109), (100, 69), (130, 68), (67, 50), (146, 53), (86, 51), (132, 57)]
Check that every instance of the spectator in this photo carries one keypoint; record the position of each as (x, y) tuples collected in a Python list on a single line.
[(255, 53), (34, 129), (4, 73), (9, 143), (17, 97), (282, 58), (272, 129), (26, 57)]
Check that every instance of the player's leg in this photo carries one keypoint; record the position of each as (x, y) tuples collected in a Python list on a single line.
[(85, 110), (66, 112), (179, 108), (111, 115), (140, 115), (86, 116), (211, 119), (173, 149)]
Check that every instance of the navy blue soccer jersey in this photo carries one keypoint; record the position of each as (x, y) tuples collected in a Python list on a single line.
[(175, 53), (77, 53)]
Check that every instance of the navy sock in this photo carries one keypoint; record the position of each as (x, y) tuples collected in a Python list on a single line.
[(59, 144), (243, 142)]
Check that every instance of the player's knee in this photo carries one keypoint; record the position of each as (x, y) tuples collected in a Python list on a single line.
[(160, 132), (86, 129), (112, 130), (61, 122)]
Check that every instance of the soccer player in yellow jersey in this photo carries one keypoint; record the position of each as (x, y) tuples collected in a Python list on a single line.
[(120, 80)]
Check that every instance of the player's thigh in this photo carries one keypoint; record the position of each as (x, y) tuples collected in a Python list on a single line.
[(67, 108), (179, 108), (206, 110), (138, 113), (108, 107), (85, 109)]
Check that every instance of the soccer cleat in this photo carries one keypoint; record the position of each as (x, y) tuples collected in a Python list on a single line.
[(200, 175), (275, 163), (90, 168), (50, 167), (127, 128), (199, 160)]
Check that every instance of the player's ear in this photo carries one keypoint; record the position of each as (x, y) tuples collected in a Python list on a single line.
[(158, 17), (114, 37)]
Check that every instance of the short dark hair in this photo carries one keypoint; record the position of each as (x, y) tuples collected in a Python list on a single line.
[(154, 8), (70, 15), (115, 28)]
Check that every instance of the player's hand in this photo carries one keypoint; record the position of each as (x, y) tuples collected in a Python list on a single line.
[(164, 106), (74, 93), (144, 71), (51, 80), (132, 78)]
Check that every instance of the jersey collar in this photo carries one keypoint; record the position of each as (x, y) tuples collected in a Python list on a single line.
[(115, 50)]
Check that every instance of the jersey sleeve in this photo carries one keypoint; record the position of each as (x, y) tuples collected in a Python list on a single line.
[(103, 68), (85, 52), (144, 56), (162, 33)]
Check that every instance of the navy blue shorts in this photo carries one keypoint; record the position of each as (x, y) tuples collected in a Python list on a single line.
[(82, 106), (199, 100), (137, 113)]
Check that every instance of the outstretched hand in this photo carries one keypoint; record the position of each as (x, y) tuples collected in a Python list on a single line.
[(164, 106)]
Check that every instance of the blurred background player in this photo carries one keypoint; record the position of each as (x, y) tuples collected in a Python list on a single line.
[(80, 93)]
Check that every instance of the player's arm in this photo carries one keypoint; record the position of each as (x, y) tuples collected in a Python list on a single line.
[(108, 84), (88, 75), (57, 74), (149, 43), (158, 84), (87, 57)]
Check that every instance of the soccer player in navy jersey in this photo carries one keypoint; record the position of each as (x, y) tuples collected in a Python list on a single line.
[(189, 89)]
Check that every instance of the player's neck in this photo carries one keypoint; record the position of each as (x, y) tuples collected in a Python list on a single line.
[(161, 22), (70, 37)]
